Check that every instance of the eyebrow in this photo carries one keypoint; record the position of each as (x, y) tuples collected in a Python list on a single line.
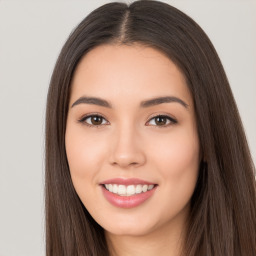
[(93, 101), (160, 100), (143, 104)]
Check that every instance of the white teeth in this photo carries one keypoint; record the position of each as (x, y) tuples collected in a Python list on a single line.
[(150, 187), (115, 188), (129, 190), (138, 189), (145, 188), (121, 190)]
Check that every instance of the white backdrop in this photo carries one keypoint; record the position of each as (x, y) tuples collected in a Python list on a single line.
[(31, 36)]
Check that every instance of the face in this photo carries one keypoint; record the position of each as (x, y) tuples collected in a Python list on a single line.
[(131, 139)]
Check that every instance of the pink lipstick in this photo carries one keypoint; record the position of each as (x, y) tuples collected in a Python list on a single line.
[(127, 193)]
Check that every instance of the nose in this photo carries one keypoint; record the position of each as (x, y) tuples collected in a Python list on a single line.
[(127, 149)]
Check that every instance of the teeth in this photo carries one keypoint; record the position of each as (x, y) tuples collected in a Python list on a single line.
[(150, 187), (115, 188), (138, 189), (121, 190), (129, 190), (145, 188)]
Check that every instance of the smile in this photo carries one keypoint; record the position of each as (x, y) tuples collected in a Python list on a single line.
[(130, 190), (127, 193)]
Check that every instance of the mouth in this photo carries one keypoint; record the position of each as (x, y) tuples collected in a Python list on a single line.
[(123, 190), (127, 193)]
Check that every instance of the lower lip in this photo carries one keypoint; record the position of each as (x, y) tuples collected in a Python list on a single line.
[(127, 201)]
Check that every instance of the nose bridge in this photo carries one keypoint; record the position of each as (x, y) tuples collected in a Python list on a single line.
[(126, 147)]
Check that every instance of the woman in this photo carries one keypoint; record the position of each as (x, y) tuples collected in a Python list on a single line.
[(145, 150)]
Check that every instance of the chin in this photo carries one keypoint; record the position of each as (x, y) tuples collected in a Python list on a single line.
[(128, 231), (129, 228)]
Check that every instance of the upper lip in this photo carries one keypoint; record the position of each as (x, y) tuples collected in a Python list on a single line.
[(130, 181)]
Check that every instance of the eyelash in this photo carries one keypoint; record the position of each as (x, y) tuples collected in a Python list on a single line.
[(171, 120)]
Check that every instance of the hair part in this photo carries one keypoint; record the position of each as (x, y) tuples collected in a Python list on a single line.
[(223, 206)]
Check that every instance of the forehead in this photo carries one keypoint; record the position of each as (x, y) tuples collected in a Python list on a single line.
[(121, 71)]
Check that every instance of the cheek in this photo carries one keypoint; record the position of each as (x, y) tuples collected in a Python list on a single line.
[(176, 150), (177, 159), (84, 152), (85, 155)]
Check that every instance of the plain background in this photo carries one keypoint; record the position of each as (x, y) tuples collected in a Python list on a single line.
[(31, 36)]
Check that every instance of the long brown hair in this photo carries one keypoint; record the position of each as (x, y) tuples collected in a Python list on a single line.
[(223, 206)]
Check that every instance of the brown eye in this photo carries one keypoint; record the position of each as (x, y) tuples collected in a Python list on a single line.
[(94, 120), (161, 120)]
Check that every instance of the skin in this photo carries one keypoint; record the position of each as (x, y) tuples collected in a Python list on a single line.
[(129, 143)]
